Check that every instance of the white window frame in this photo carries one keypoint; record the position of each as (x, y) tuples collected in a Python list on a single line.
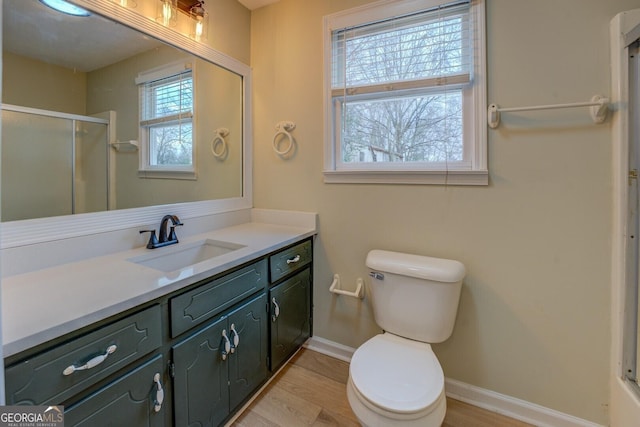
[(145, 169), (471, 172)]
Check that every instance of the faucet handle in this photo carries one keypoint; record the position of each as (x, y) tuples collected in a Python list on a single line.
[(153, 240)]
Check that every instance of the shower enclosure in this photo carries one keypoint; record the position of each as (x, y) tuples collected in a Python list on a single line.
[(631, 343), (53, 163)]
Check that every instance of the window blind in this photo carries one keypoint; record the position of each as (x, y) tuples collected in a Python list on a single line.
[(168, 99), (428, 48)]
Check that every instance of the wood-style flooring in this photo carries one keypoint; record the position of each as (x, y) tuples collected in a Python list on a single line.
[(311, 391)]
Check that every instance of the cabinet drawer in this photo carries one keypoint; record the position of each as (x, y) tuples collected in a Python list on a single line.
[(194, 307), (128, 401), (290, 260), (41, 379)]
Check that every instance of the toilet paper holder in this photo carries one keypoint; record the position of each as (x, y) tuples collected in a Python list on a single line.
[(336, 288)]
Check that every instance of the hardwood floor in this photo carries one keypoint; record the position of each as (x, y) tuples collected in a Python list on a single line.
[(310, 391)]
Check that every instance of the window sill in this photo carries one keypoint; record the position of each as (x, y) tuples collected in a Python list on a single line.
[(166, 174), (453, 177)]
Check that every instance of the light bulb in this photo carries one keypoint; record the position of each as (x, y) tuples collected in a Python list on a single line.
[(199, 29), (166, 13)]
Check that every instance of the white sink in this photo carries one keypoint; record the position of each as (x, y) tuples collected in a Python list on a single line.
[(175, 257)]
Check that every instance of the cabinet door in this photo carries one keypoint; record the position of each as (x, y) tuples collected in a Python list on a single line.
[(131, 400), (290, 303), (248, 363), (201, 392)]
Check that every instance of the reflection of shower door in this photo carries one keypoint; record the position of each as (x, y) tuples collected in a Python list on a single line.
[(52, 163), (37, 163), (632, 298)]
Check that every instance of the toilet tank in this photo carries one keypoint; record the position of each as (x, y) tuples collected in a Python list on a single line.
[(415, 296)]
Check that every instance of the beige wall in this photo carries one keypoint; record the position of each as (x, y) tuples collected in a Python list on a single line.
[(534, 318), (36, 84)]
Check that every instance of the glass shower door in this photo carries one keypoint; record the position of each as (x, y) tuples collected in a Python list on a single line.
[(52, 164), (37, 165)]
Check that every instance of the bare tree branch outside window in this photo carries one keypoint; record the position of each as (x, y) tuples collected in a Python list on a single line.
[(416, 125)]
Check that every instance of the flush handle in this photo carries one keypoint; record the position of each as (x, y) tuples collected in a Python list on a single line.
[(376, 275)]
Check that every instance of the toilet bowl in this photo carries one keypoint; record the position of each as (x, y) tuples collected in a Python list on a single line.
[(395, 378), (394, 381)]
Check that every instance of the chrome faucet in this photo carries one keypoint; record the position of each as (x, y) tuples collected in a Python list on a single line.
[(163, 239)]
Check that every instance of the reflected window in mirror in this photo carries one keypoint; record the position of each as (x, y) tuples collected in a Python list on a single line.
[(166, 121)]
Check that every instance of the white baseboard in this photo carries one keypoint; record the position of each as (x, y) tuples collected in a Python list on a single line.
[(330, 348), (480, 397)]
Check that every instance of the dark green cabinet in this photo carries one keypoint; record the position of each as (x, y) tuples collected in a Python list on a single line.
[(290, 303), (212, 297), (220, 365), (190, 358), (57, 374), (134, 399)]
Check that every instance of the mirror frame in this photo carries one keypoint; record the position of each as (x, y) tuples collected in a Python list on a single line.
[(40, 230)]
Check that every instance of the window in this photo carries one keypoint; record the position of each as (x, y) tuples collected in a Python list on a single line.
[(166, 122), (405, 93)]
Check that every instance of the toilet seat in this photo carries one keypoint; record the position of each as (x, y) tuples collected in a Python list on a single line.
[(397, 376)]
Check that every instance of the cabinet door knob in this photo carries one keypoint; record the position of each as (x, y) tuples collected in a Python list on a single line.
[(276, 310), (157, 403), (91, 363), (235, 337), (226, 344)]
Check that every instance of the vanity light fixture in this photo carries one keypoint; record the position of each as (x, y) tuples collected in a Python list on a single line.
[(126, 3), (167, 12), (65, 7), (199, 22)]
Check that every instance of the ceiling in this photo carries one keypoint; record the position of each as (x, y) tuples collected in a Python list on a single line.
[(33, 30), (254, 4)]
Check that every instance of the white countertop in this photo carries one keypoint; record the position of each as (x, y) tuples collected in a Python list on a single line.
[(46, 304)]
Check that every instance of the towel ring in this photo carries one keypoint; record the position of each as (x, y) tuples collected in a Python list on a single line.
[(218, 139), (283, 128)]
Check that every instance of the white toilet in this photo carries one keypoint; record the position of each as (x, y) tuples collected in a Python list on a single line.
[(395, 378)]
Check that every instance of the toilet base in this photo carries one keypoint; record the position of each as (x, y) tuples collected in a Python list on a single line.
[(376, 417)]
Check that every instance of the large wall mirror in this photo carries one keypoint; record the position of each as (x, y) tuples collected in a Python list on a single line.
[(74, 142)]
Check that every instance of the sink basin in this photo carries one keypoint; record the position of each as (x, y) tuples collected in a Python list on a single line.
[(175, 257)]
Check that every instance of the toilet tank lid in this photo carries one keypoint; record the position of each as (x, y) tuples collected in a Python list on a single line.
[(422, 267)]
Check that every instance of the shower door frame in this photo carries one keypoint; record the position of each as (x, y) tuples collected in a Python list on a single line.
[(624, 393)]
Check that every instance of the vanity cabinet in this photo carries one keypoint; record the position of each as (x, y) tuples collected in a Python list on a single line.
[(220, 365), (191, 357), (290, 301)]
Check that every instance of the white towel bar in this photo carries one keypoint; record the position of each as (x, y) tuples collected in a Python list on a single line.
[(599, 108)]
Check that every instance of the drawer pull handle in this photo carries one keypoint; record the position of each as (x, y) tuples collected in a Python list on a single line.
[(276, 310), (293, 260), (157, 403), (92, 363), (227, 345), (235, 338)]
